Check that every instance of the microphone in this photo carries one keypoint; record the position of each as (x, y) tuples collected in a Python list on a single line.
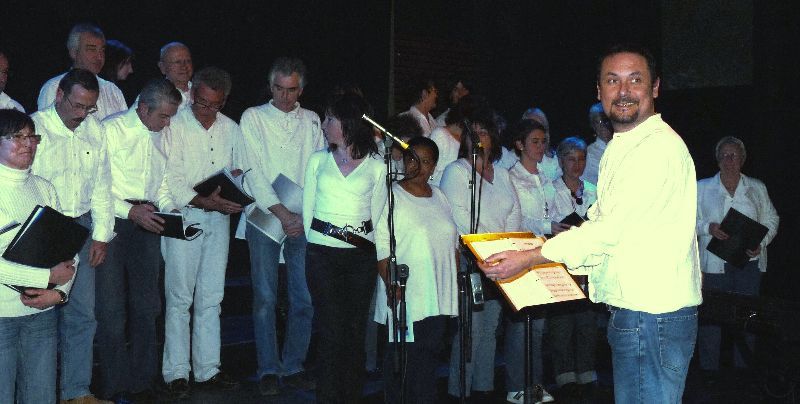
[(476, 140), (401, 143)]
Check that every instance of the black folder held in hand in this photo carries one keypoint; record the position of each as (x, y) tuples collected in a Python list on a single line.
[(744, 234), (175, 227), (230, 187)]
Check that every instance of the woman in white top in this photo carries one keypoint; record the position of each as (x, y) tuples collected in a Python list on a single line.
[(572, 326), (344, 193), (28, 334), (730, 189), (426, 239), (498, 211)]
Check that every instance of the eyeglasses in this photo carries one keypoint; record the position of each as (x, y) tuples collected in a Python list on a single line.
[(732, 156), (90, 109), (202, 104), (20, 138)]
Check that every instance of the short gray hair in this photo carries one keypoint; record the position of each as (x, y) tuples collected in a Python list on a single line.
[(167, 47), (730, 140), (286, 66), (570, 145), (74, 37), (539, 116), (158, 91), (213, 78)]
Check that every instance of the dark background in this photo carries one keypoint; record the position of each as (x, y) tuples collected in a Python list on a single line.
[(730, 67)]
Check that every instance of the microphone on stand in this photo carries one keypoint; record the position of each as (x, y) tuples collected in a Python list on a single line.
[(403, 145)]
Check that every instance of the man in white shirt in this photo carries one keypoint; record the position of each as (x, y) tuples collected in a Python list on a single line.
[(424, 94), (202, 141), (72, 155), (640, 242), (86, 45), (603, 131), (175, 63), (127, 284), (280, 137), (6, 102)]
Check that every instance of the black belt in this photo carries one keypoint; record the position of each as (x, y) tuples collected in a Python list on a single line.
[(140, 202), (342, 233)]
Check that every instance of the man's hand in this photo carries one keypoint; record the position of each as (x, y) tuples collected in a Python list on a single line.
[(753, 253), (715, 231), (62, 273), (557, 227), (292, 222), (217, 203), (40, 298), (97, 253), (507, 264), (144, 216)]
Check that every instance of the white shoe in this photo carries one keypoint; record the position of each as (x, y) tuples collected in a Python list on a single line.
[(518, 397)]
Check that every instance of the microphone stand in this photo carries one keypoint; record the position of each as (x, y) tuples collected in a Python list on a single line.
[(397, 273)]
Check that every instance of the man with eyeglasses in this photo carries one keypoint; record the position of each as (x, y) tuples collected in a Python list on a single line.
[(280, 137), (72, 155), (201, 142), (127, 283), (175, 63), (6, 102), (603, 131), (86, 45)]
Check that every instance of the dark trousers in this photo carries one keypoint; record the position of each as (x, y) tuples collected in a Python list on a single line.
[(341, 282), (127, 293), (421, 360)]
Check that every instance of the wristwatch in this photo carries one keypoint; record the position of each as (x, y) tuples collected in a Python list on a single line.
[(63, 295)]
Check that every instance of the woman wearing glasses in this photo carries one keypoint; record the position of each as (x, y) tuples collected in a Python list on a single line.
[(28, 331)]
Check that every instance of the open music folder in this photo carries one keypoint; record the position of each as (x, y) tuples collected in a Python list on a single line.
[(540, 284)]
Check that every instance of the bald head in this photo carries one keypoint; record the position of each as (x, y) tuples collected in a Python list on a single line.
[(175, 63)]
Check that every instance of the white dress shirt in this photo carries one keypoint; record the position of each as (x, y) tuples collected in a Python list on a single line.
[(195, 153), (564, 204), (714, 201), (499, 205), (109, 101), (448, 152), (535, 199), (594, 152), (22, 191), (278, 142), (76, 163), (342, 200), (426, 122), (137, 160), (7, 102), (640, 238)]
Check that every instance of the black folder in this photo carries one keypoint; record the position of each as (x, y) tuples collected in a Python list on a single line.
[(573, 219), (46, 239), (174, 227), (230, 187), (744, 234)]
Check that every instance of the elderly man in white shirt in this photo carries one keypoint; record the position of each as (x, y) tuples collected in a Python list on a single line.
[(280, 136), (603, 131), (640, 242), (202, 141), (175, 63), (86, 45), (6, 102), (72, 156), (137, 161), (424, 94)]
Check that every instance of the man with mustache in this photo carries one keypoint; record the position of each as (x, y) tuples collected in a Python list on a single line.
[(640, 245), (72, 156), (86, 44)]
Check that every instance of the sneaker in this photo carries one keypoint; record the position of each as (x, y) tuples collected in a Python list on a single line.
[(518, 397), (299, 381), (220, 381), (87, 399), (178, 389), (268, 385)]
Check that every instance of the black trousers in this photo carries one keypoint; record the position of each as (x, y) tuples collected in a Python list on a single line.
[(422, 356), (341, 282)]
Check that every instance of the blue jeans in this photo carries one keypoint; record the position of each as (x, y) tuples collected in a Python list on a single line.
[(650, 354), (746, 281), (28, 358), (76, 327), (264, 256), (128, 294)]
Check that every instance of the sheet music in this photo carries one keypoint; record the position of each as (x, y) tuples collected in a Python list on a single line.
[(486, 248)]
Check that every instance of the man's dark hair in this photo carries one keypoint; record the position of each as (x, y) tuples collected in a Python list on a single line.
[(348, 109), (417, 85), (213, 78), (158, 91), (13, 121), (82, 77), (630, 48)]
